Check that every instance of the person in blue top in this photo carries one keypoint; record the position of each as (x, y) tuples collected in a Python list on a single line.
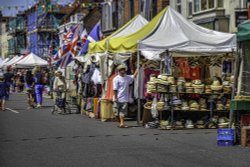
[(4, 92), (39, 85)]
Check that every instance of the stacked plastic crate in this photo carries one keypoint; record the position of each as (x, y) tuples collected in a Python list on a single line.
[(225, 137)]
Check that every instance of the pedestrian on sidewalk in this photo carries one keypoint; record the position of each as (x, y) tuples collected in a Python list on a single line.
[(39, 85), (4, 92), (60, 88), (121, 85), (8, 77), (29, 84)]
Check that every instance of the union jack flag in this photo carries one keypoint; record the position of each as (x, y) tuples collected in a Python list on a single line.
[(75, 41), (50, 59)]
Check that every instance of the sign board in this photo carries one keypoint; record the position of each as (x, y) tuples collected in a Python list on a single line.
[(240, 16)]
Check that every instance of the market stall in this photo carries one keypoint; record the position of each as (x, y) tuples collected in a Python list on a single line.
[(197, 72), (240, 105), (30, 61), (100, 65), (11, 63)]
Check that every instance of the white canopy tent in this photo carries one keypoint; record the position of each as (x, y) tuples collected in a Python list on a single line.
[(31, 61), (13, 61), (134, 26), (175, 33)]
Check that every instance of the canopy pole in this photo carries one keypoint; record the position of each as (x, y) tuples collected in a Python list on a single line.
[(236, 75), (138, 91)]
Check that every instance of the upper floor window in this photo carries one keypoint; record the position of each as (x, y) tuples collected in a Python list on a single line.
[(107, 16), (200, 5), (148, 8), (190, 8), (131, 9), (220, 3), (178, 6)]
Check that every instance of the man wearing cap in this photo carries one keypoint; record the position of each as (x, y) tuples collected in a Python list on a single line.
[(121, 93)]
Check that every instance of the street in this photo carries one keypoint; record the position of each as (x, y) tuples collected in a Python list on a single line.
[(34, 138)]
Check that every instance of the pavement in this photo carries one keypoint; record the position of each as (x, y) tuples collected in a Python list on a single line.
[(36, 138)]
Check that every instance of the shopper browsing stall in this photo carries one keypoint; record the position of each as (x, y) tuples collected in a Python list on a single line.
[(121, 93)]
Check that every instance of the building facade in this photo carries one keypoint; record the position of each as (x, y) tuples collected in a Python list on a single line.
[(115, 13), (43, 21), (220, 15), (17, 35), (4, 37)]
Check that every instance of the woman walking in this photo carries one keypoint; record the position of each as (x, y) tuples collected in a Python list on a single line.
[(39, 85), (29, 80)]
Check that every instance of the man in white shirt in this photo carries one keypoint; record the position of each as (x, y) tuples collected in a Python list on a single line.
[(121, 85)]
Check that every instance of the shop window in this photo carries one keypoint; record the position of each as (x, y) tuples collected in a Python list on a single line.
[(220, 3), (178, 6)]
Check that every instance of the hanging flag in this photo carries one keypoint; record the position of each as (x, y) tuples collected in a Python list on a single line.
[(75, 40), (50, 59), (66, 60), (84, 37), (94, 35), (66, 41)]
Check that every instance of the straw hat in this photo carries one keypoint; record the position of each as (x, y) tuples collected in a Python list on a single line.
[(188, 84), (189, 90), (176, 100), (153, 78), (208, 89), (185, 106), (194, 105), (171, 80), (163, 77), (216, 85), (179, 125), (189, 124), (160, 105), (200, 124), (173, 88), (212, 125), (227, 89), (219, 106), (122, 66)]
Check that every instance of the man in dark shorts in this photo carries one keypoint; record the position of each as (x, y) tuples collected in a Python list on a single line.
[(8, 77)]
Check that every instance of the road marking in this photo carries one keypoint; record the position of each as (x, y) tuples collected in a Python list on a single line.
[(12, 110)]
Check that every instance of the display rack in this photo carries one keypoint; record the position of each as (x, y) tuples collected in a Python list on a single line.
[(172, 111)]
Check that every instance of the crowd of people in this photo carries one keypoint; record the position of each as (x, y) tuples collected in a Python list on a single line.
[(33, 82)]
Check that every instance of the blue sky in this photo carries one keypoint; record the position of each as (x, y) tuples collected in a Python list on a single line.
[(22, 5)]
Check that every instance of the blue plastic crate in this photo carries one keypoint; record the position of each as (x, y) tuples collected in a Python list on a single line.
[(225, 137), (225, 143), (225, 131)]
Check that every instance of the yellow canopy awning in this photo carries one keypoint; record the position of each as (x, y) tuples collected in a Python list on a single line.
[(130, 27), (129, 43)]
